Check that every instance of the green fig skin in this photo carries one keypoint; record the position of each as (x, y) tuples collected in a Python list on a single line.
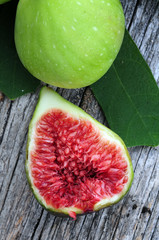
[(69, 44), (48, 100)]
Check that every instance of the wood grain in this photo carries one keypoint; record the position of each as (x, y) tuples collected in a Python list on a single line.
[(136, 217)]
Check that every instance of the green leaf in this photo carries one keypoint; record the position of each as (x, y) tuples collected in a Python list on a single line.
[(15, 80), (4, 1), (129, 97)]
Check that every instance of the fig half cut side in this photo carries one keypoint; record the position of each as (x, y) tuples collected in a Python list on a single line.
[(74, 163)]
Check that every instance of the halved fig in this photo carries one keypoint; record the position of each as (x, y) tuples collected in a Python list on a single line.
[(74, 163)]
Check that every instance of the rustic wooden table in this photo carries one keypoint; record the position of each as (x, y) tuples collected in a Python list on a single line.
[(136, 216)]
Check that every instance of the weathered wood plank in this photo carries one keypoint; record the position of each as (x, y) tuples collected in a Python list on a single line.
[(136, 216)]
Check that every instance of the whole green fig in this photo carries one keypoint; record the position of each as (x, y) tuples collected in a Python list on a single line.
[(68, 44)]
